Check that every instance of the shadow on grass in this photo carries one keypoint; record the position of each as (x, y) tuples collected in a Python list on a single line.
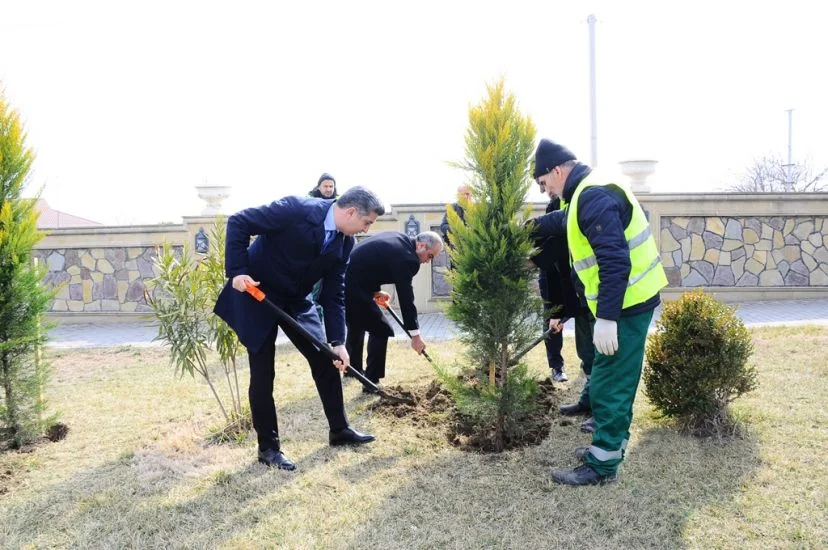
[(156, 498), (509, 501)]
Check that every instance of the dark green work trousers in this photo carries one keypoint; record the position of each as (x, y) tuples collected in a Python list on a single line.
[(613, 385)]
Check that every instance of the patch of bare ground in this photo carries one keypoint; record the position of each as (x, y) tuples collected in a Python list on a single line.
[(433, 406)]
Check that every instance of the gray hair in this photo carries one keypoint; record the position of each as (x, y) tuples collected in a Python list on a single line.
[(430, 238), (363, 200)]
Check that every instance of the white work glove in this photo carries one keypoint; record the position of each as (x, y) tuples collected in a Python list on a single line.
[(605, 336)]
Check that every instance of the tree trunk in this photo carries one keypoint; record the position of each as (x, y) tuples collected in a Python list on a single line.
[(11, 403)]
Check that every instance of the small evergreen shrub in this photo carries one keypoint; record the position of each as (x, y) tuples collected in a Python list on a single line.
[(697, 363)]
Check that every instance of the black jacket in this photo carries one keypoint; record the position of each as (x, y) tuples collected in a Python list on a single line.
[(286, 258), (555, 279), (444, 225), (385, 258), (603, 214)]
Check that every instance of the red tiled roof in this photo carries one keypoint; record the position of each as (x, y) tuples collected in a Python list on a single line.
[(51, 218)]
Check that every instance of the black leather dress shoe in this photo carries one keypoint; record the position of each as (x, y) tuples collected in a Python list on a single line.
[(349, 436), (275, 459), (575, 408)]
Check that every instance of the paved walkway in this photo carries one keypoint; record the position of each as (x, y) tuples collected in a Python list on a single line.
[(433, 326)]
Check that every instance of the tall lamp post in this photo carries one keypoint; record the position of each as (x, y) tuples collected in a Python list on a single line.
[(593, 112)]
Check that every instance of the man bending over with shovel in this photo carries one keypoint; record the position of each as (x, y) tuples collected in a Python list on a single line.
[(384, 258), (300, 241)]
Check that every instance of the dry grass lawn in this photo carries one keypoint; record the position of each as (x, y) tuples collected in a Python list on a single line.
[(134, 471)]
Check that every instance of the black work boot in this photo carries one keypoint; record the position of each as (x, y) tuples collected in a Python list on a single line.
[(575, 408), (273, 458), (582, 475)]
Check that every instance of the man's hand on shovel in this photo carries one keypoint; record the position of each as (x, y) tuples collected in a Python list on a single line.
[(344, 358), (556, 325), (381, 298)]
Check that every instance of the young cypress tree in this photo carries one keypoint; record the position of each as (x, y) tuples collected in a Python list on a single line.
[(22, 297), (493, 304)]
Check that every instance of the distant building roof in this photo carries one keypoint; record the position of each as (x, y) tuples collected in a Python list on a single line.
[(52, 219)]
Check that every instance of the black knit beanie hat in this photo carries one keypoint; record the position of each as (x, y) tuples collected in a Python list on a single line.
[(549, 155)]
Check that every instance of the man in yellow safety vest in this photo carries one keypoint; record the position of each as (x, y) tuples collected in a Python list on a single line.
[(618, 264)]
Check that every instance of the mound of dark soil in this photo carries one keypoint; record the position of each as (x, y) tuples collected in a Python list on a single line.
[(433, 406)]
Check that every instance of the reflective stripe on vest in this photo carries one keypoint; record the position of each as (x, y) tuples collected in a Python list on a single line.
[(647, 275)]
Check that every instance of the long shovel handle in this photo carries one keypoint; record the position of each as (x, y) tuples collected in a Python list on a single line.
[(321, 346), (382, 301), (514, 360)]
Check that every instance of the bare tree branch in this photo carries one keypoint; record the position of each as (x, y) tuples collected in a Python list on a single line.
[(769, 175)]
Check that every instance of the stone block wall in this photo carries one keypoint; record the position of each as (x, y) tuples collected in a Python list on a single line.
[(98, 279), (763, 251), (740, 246)]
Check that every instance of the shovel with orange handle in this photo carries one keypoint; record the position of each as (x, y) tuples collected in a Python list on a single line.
[(321, 346), (381, 299)]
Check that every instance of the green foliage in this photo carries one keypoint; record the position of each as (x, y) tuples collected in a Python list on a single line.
[(183, 295), (22, 297), (492, 301), (697, 362), (497, 414)]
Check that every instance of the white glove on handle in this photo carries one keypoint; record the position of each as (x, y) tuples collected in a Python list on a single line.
[(605, 336)]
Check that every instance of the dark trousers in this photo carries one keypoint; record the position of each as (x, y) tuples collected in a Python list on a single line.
[(361, 317), (263, 370), (554, 345), (584, 325)]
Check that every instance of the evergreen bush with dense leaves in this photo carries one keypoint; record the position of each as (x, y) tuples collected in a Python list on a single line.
[(23, 299), (697, 363), (493, 303)]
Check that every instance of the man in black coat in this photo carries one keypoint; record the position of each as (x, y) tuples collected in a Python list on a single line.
[(385, 258), (464, 193), (556, 289), (562, 299), (299, 241)]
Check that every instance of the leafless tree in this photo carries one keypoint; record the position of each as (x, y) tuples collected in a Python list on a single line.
[(769, 174)]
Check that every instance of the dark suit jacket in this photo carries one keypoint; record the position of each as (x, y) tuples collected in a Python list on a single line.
[(556, 286), (444, 225), (286, 258), (385, 258)]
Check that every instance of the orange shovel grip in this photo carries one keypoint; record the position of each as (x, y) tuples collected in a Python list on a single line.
[(255, 292)]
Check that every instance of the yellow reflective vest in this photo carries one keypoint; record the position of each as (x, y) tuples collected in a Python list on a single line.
[(646, 274)]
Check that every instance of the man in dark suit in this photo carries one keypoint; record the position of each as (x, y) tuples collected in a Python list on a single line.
[(561, 299), (300, 241), (464, 194), (385, 258)]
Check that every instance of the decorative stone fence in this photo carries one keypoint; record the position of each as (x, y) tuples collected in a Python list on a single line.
[(738, 246), (743, 246)]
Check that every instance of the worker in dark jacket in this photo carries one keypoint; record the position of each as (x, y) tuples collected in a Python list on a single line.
[(562, 301), (394, 258), (464, 194), (616, 260), (325, 187), (300, 240), (561, 297)]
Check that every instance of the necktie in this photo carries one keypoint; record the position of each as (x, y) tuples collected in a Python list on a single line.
[(329, 237)]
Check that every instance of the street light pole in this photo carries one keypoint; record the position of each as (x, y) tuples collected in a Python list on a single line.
[(592, 101), (789, 166)]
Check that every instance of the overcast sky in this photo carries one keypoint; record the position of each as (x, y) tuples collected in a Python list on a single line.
[(130, 105)]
